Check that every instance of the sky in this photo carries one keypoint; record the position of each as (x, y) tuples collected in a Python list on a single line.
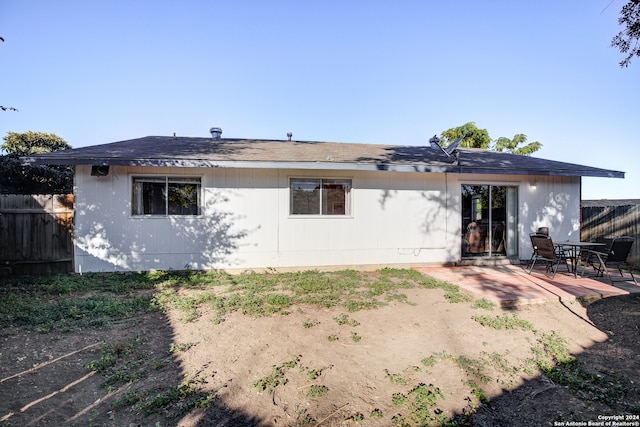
[(379, 72)]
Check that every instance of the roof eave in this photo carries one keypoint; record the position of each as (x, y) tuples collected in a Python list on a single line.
[(354, 166), (598, 173)]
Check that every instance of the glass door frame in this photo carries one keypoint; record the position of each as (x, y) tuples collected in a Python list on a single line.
[(478, 225)]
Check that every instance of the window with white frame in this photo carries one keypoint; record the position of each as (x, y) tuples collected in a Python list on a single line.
[(315, 196), (165, 195)]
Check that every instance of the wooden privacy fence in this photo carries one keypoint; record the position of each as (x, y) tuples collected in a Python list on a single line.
[(36, 233), (612, 218)]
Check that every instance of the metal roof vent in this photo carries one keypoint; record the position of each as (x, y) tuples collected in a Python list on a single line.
[(215, 133)]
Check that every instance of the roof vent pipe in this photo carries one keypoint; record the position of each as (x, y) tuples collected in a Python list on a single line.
[(215, 133)]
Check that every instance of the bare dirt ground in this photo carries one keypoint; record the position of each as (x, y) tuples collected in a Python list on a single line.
[(325, 366)]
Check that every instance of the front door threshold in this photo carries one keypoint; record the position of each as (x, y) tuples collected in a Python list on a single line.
[(489, 260)]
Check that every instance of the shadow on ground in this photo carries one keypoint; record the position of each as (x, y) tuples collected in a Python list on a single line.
[(604, 380)]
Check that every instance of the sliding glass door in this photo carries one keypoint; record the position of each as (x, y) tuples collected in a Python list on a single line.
[(489, 218)]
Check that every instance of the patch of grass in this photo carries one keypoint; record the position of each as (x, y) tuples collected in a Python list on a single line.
[(122, 361), (357, 417), (396, 378), (52, 303), (45, 313), (484, 304), (420, 406), (67, 284), (179, 347), (397, 297), (111, 352), (474, 368), (600, 385), (505, 321), (277, 377), (453, 294), (399, 399), (317, 390), (550, 349), (375, 414), (314, 374), (310, 323), (175, 400), (478, 394), (332, 337), (357, 305), (264, 294), (343, 319), (429, 361), (355, 337), (403, 378), (499, 363), (277, 303)]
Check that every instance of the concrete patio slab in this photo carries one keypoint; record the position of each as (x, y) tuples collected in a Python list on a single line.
[(512, 285)]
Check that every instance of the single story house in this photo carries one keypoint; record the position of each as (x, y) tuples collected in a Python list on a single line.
[(166, 202)]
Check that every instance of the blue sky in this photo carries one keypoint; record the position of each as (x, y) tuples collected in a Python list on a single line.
[(393, 72)]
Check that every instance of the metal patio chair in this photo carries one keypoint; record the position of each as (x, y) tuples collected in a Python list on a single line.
[(545, 250), (614, 256)]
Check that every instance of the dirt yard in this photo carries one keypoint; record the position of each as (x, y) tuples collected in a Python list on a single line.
[(401, 364)]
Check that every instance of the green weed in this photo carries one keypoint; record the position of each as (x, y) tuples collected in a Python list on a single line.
[(317, 391), (599, 385), (177, 400), (179, 347), (357, 418), (453, 294), (505, 321), (398, 399), (343, 319), (421, 406), (122, 361), (310, 323), (550, 349), (484, 304), (375, 414), (277, 377), (314, 374), (429, 361), (396, 378)]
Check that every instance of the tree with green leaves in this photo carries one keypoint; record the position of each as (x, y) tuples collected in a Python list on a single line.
[(473, 137), (18, 178), (479, 138), (628, 40), (516, 145)]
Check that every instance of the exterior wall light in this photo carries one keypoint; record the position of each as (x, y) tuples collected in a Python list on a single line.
[(533, 185)]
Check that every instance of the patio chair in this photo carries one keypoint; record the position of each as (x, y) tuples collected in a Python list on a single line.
[(542, 233), (614, 256), (545, 250)]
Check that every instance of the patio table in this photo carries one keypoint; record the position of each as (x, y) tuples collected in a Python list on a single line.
[(574, 249)]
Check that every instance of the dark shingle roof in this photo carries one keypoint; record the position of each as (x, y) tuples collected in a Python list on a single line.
[(605, 203), (257, 153)]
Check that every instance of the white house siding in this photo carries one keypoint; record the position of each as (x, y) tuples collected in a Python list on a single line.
[(400, 218), (554, 203)]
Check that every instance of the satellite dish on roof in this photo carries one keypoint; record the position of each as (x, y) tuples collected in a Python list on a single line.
[(453, 146), (435, 142)]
